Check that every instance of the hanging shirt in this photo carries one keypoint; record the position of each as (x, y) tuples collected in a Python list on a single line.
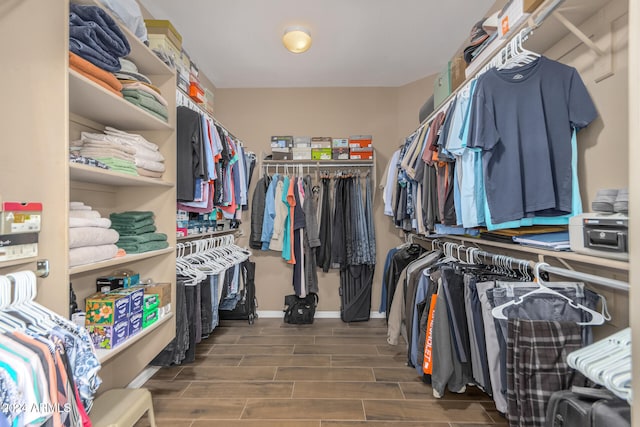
[(522, 120)]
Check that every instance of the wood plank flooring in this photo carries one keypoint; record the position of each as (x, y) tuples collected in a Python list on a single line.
[(329, 374)]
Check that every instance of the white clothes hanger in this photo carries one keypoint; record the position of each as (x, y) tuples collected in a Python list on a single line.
[(498, 312)]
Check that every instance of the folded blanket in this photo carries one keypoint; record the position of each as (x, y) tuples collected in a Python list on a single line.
[(146, 89), (143, 238), (144, 247), (136, 231), (84, 214), (91, 254), (91, 236), (89, 70), (106, 32), (147, 102), (91, 52), (89, 222), (148, 173)]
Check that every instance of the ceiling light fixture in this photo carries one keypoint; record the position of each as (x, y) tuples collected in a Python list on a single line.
[(296, 39)]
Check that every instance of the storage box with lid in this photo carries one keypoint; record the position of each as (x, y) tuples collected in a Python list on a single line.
[(281, 154), (340, 143), (196, 92), (20, 217), (361, 153), (321, 142), (302, 141), (165, 28), (340, 153), (360, 141), (281, 141), (301, 153), (18, 246), (321, 153)]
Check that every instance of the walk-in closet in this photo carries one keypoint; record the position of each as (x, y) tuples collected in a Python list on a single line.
[(319, 214)]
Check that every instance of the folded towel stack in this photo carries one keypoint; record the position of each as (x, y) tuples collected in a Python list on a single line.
[(137, 232), (90, 238), (95, 36), (121, 151), (96, 74)]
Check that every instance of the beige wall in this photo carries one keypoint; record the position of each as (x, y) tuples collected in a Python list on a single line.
[(256, 114)]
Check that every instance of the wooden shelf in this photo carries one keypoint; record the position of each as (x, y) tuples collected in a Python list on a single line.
[(563, 255), (144, 58), (20, 261), (119, 261), (91, 174), (105, 355), (93, 102)]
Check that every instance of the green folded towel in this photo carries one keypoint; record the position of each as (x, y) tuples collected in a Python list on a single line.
[(143, 238), (131, 215), (146, 101), (138, 231), (143, 247), (131, 225), (119, 165)]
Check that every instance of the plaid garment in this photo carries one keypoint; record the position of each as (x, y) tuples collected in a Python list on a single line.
[(537, 366)]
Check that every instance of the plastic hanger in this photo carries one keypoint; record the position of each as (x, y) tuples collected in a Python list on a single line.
[(498, 312)]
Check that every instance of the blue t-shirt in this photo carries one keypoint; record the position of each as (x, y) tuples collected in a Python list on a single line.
[(522, 119)]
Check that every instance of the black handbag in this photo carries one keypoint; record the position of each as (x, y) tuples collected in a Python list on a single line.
[(300, 311)]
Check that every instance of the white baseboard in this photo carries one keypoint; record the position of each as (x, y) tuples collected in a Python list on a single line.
[(143, 377), (274, 314)]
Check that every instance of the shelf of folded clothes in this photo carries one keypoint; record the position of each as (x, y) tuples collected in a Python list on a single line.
[(96, 103), (91, 174)]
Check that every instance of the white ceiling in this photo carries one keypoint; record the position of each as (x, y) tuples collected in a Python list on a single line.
[(356, 43)]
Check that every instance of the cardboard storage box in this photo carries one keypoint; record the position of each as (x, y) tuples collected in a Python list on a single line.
[(281, 154), (163, 290), (340, 143), (149, 318), (362, 153), (19, 217), (458, 67), (321, 142), (165, 28), (340, 153), (512, 15), (302, 141), (281, 141), (109, 336), (301, 153), (17, 246), (136, 297), (106, 309), (321, 153), (360, 141), (135, 323)]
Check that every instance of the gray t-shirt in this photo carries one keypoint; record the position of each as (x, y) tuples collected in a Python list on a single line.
[(522, 119)]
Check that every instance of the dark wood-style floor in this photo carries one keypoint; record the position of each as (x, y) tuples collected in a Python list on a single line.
[(329, 374)]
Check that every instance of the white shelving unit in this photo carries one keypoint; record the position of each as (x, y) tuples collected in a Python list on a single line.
[(48, 105)]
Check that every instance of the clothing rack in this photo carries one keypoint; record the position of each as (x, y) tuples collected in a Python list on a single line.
[(530, 25), (184, 100), (475, 254)]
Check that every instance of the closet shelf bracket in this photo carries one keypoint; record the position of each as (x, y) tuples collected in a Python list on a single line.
[(579, 34), (604, 62), (42, 267)]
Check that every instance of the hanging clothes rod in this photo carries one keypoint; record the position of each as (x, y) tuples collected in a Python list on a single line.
[(184, 100), (541, 266), (316, 164)]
